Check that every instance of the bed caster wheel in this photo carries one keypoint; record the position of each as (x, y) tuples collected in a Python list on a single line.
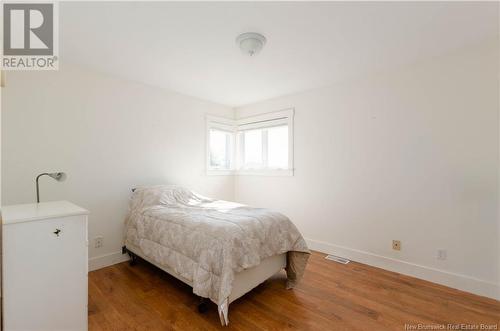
[(203, 306)]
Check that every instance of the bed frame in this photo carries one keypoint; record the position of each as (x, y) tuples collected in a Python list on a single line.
[(244, 281)]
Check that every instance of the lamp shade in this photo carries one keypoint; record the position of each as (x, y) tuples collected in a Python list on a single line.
[(59, 176)]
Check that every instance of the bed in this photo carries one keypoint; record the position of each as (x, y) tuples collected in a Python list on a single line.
[(221, 249)]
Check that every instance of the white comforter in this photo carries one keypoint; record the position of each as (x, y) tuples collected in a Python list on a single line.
[(207, 241)]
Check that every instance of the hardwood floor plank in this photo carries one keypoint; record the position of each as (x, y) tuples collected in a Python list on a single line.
[(331, 296)]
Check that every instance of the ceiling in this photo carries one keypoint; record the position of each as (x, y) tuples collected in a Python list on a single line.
[(190, 47)]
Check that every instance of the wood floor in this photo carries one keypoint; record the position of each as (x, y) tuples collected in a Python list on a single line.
[(330, 297)]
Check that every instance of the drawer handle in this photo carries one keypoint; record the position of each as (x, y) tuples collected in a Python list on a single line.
[(57, 232)]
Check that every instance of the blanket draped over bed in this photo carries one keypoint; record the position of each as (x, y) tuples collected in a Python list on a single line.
[(208, 241)]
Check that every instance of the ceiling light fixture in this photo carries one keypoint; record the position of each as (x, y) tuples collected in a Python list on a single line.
[(251, 43)]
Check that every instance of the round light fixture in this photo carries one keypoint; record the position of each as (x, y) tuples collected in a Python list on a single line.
[(251, 43)]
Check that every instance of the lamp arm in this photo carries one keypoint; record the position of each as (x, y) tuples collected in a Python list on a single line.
[(37, 190)]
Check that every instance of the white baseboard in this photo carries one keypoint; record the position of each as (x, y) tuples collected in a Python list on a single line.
[(458, 281), (106, 260)]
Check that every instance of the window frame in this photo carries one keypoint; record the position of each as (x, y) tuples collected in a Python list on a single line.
[(261, 121)]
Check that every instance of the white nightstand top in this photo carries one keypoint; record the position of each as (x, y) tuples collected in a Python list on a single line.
[(37, 211)]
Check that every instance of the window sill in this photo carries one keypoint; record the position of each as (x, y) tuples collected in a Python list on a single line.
[(215, 172), (268, 173)]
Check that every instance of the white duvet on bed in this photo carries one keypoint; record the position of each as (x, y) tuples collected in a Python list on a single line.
[(207, 241)]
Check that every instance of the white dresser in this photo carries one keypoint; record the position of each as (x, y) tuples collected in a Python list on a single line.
[(45, 266)]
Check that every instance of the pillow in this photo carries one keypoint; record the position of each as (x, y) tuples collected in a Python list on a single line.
[(166, 195)]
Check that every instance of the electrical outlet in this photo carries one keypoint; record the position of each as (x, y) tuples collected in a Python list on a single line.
[(442, 254), (396, 245), (98, 242)]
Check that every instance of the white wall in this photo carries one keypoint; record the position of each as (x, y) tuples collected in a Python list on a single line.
[(108, 135), (409, 155)]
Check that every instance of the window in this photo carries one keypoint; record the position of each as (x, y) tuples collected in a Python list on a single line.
[(252, 149), (258, 145), (277, 147), (220, 149), (220, 145), (265, 148)]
